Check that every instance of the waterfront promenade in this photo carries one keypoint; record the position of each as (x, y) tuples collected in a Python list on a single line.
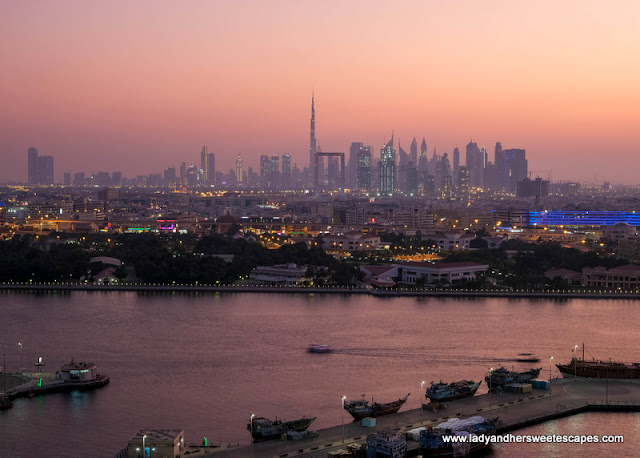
[(399, 292), (516, 410)]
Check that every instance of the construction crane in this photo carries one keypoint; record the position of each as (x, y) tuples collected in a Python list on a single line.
[(546, 174)]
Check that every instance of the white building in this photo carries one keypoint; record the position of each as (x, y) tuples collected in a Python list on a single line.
[(351, 241), (443, 272), (450, 240), (281, 274)]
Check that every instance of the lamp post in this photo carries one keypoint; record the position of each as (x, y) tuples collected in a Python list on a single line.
[(343, 398), (144, 451), (575, 362), (251, 423), (4, 373), (421, 394), (550, 359), (20, 345), (490, 371)]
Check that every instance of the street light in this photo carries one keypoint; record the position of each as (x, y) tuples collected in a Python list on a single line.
[(420, 396), (550, 359), (490, 371), (251, 423), (20, 345), (144, 451), (343, 398), (4, 375)]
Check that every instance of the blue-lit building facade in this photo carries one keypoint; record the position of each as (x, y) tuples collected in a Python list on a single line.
[(565, 218)]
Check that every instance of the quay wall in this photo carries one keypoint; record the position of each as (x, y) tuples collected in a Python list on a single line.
[(401, 292)]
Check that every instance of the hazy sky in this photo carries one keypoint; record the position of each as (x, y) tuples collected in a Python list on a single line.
[(140, 85)]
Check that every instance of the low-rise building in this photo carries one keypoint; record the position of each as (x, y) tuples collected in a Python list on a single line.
[(351, 241), (450, 240), (570, 276), (622, 277), (281, 274), (442, 272), (160, 443)]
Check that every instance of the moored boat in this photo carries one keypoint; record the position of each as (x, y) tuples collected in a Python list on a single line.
[(503, 376), (581, 368), (264, 429), (361, 408), (442, 392), (5, 403)]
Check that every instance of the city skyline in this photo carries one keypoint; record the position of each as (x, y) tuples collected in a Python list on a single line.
[(151, 85)]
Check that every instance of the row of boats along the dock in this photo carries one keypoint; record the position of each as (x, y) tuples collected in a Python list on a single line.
[(264, 429)]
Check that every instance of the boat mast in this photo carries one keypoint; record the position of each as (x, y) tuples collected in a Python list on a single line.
[(582, 351)]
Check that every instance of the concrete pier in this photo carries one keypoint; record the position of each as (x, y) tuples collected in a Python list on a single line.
[(45, 383), (516, 410)]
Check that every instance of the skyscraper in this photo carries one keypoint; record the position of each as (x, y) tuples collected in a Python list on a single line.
[(354, 166), (45, 170), (516, 165), (204, 158), (413, 152), (211, 168), (364, 168), (387, 168), (475, 164), (456, 164), (423, 161), (312, 135), (239, 169), (32, 165)]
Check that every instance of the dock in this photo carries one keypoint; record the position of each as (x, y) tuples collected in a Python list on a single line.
[(564, 398)]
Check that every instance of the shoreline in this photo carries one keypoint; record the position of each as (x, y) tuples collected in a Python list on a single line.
[(401, 292)]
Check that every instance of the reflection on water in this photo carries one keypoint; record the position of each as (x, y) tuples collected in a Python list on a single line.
[(205, 362)]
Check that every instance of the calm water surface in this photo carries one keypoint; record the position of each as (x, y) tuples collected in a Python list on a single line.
[(204, 363)]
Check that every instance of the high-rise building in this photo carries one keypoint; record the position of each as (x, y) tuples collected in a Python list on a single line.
[(286, 171), (464, 183), (456, 164), (170, 177), (387, 169), (79, 179), (423, 161), (312, 135), (67, 178), (413, 152), (211, 168), (204, 158), (364, 168), (183, 174), (475, 164), (116, 177), (354, 166), (239, 172), (32, 165), (515, 162), (45, 170)]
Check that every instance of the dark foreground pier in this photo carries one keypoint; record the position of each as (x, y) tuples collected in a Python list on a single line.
[(516, 410)]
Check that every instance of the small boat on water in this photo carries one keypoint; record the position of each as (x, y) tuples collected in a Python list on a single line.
[(442, 392), (527, 358), (264, 429), (503, 376), (580, 368), (361, 408), (5, 403), (318, 348)]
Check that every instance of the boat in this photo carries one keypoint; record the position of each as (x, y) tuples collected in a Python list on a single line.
[(527, 358), (264, 429), (361, 408), (318, 348), (5, 403), (431, 441), (442, 392), (503, 376), (581, 368)]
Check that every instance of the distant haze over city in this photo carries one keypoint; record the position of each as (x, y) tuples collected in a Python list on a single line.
[(141, 86)]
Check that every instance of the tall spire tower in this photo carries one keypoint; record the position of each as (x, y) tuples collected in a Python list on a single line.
[(312, 136)]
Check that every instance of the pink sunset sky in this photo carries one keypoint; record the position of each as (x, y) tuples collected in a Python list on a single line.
[(138, 86)]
